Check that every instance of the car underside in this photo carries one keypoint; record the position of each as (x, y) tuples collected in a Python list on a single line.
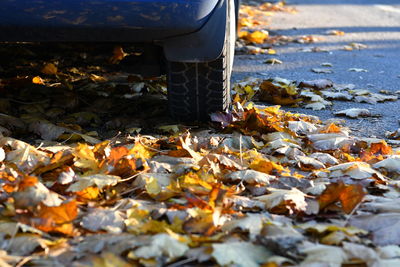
[(189, 40)]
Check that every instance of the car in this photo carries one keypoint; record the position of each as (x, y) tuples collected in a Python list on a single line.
[(191, 41)]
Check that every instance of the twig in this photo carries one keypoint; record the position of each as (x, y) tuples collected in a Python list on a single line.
[(28, 103), (130, 190), (24, 261), (352, 213), (240, 148), (131, 177)]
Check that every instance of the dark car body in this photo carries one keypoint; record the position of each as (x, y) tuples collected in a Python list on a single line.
[(179, 26), (192, 42)]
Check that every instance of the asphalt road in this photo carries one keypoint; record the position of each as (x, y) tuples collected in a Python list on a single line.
[(370, 22)]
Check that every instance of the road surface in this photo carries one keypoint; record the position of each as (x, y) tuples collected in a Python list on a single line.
[(370, 22)]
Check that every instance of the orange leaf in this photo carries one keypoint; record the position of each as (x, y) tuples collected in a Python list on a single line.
[(27, 181), (330, 195), (57, 219), (381, 148), (118, 55), (117, 153), (350, 196), (331, 128), (37, 80)]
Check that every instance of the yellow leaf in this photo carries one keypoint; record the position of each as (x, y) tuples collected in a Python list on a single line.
[(97, 78), (262, 165), (107, 259), (152, 187), (257, 37), (89, 193), (50, 69), (84, 158), (140, 151)]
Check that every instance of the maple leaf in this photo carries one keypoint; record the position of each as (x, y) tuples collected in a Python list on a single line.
[(348, 195), (85, 158), (56, 219)]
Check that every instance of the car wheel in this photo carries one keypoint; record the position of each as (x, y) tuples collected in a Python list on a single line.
[(197, 89)]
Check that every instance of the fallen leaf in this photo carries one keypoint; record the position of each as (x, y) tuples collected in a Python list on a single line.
[(37, 80), (326, 64), (293, 200), (337, 95), (57, 219), (317, 84), (322, 254), (315, 106), (357, 70), (390, 164), (335, 32), (273, 61), (109, 220), (250, 255), (162, 245), (118, 55), (250, 177), (384, 227), (321, 70), (98, 180), (49, 69), (354, 112), (348, 195)]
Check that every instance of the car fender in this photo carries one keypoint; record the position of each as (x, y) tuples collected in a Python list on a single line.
[(204, 45)]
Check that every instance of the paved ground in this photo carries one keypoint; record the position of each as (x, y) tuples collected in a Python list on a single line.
[(371, 22)]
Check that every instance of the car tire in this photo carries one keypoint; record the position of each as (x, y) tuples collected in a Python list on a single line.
[(195, 90)]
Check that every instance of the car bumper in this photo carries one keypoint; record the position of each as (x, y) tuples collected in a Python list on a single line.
[(101, 20)]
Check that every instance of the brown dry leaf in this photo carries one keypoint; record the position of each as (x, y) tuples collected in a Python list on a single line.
[(281, 200), (351, 196), (118, 55), (348, 195), (49, 69)]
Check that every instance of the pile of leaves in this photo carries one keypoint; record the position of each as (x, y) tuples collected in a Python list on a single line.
[(92, 173), (254, 37), (314, 94), (268, 187)]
